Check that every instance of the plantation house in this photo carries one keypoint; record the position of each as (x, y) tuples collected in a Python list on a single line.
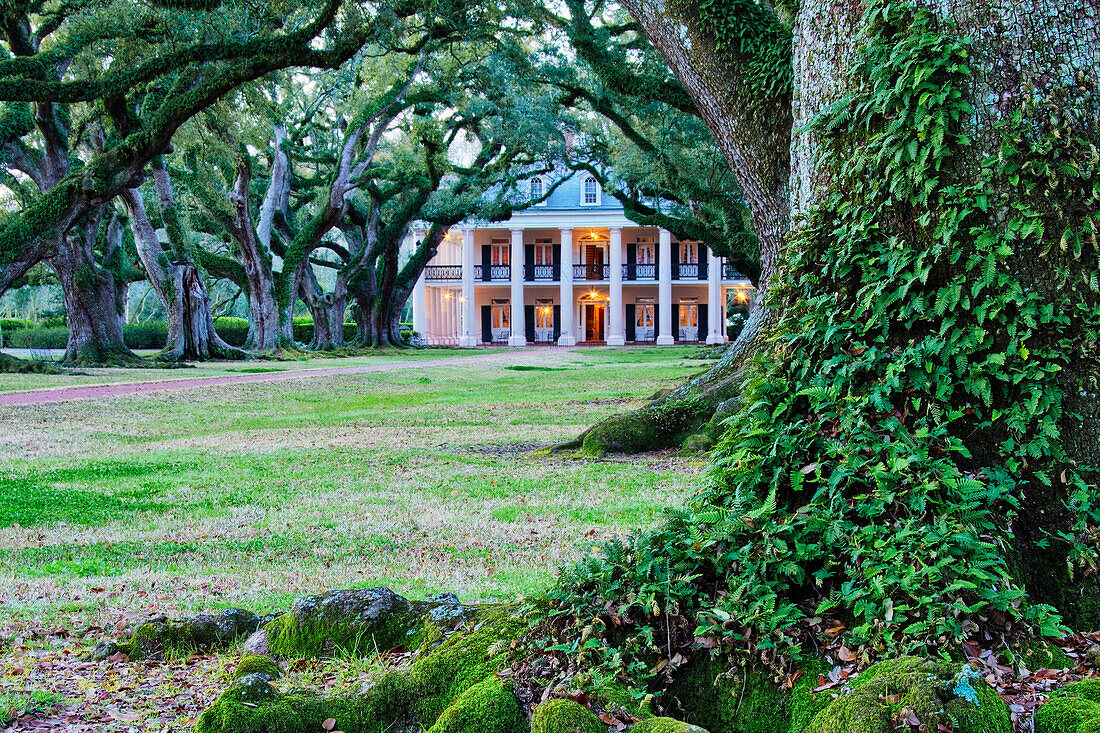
[(582, 272)]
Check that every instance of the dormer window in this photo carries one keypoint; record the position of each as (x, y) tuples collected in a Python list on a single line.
[(538, 188), (591, 195)]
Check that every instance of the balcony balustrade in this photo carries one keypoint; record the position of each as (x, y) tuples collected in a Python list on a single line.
[(443, 272), (640, 272), (541, 273), (591, 272), (729, 272)]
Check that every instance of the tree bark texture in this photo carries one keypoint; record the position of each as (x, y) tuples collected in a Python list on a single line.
[(753, 131)]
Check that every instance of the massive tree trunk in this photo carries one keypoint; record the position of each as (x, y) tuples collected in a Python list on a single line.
[(254, 245), (93, 299), (918, 453), (954, 218), (176, 279), (752, 124)]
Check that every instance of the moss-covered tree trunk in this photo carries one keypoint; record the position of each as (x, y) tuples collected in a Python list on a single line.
[(175, 277), (1035, 101), (93, 299), (751, 121)]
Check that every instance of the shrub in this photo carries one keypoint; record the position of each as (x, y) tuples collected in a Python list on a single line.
[(151, 335), (14, 324), (234, 331), (54, 337), (303, 330)]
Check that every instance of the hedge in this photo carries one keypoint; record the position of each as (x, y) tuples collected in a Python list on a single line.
[(19, 334)]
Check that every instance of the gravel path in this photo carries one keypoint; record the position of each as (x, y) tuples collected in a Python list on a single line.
[(64, 394)]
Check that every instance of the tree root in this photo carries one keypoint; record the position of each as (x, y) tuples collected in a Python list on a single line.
[(13, 365)]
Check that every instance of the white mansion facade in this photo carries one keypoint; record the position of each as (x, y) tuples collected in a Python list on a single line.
[(572, 270)]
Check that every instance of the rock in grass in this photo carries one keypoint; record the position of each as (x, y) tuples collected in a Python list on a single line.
[(158, 635), (1074, 709), (353, 622), (565, 716), (923, 692), (665, 725)]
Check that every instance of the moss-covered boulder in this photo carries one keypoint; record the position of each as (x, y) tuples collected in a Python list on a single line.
[(565, 716), (665, 725), (918, 691), (155, 637), (445, 670), (1074, 709), (746, 700), (342, 622), (258, 664), (487, 707), (352, 622)]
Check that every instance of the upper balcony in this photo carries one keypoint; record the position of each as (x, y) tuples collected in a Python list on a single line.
[(594, 272)]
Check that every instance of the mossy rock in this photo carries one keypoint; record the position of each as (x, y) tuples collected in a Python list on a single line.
[(565, 716), (665, 725), (343, 622), (157, 636), (354, 622), (937, 694), (487, 707), (465, 659), (417, 697), (748, 701), (258, 664), (698, 443), (1074, 709), (1044, 655), (245, 708)]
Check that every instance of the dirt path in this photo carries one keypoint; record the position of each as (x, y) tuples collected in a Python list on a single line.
[(64, 394)]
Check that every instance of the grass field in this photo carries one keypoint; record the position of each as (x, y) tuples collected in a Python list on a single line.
[(91, 376), (249, 495)]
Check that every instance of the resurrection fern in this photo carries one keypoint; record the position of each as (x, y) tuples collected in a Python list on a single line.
[(877, 468)]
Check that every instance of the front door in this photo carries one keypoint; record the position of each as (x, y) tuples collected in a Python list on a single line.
[(594, 258), (593, 322), (501, 320), (689, 321)]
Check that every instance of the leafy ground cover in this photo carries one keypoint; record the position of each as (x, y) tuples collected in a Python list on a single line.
[(249, 495)]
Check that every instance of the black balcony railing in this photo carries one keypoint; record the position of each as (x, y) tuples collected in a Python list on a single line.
[(729, 272), (536, 273), (443, 272), (591, 272), (500, 272), (690, 271), (640, 272)]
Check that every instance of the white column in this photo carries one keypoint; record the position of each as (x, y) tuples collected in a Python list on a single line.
[(469, 334), (568, 333), (420, 307), (617, 334), (716, 310), (664, 289), (420, 302), (517, 337)]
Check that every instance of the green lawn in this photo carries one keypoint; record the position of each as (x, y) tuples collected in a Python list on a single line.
[(417, 478), (91, 376)]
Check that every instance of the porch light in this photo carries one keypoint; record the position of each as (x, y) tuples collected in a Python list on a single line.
[(446, 296), (742, 296)]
